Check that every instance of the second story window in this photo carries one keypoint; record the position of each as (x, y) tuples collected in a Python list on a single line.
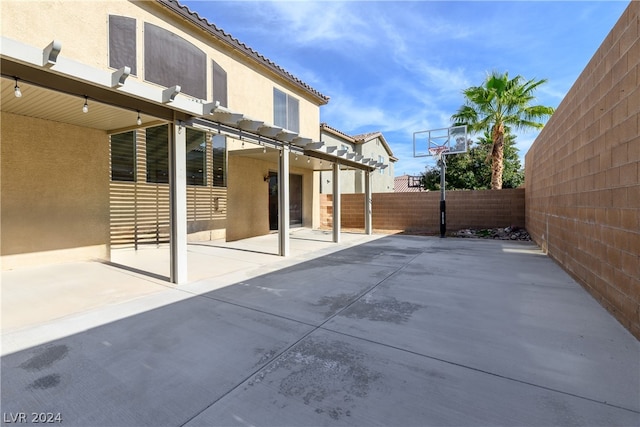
[(286, 111), (122, 42), (219, 84)]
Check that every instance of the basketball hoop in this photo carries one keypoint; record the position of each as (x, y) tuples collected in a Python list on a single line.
[(438, 151)]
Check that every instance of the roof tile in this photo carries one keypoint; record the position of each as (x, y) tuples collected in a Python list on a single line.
[(222, 35)]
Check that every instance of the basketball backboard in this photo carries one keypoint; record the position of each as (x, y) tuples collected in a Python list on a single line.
[(436, 142)]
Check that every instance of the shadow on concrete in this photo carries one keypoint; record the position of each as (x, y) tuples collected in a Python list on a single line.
[(403, 330)]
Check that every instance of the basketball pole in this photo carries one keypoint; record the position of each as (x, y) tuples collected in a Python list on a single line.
[(439, 145), (443, 203)]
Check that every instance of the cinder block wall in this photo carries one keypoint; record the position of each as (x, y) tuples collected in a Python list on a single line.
[(582, 176), (420, 212)]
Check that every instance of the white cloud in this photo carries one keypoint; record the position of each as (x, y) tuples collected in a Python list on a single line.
[(316, 23)]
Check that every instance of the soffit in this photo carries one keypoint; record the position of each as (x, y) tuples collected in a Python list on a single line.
[(47, 104)]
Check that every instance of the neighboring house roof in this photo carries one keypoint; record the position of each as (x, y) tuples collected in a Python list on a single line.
[(359, 139), (240, 47), (325, 127), (401, 184), (366, 137)]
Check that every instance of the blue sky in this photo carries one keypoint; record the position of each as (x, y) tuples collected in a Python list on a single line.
[(399, 66)]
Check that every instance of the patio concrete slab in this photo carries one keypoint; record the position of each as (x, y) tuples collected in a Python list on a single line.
[(308, 292), (156, 368), (332, 379), (45, 303), (397, 330), (535, 325), (33, 296)]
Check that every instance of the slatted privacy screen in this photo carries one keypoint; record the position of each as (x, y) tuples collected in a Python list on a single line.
[(139, 210)]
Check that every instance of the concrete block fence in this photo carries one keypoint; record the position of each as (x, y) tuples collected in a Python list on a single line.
[(420, 212), (583, 176)]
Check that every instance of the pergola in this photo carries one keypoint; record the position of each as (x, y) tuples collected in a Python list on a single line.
[(56, 87)]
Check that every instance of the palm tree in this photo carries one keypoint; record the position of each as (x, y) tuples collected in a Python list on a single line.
[(495, 106)]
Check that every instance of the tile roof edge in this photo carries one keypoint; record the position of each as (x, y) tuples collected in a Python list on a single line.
[(330, 129), (220, 34)]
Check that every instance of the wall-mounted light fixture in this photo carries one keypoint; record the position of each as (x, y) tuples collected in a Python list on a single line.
[(16, 90), (266, 178), (85, 107)]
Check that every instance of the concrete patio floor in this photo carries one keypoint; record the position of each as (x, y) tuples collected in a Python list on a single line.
[(378, 330)]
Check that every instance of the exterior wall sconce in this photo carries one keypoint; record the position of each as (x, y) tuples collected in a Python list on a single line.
[(16, 90), (266, 178), (85, 107)]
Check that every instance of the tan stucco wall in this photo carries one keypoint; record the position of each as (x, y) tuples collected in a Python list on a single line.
[(82, 28), (54, 181), (248, 194), (352, 181), (248, 203), (381, 181)]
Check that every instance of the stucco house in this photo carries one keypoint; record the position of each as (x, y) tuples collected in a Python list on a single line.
[(134, 122), (371, 147)]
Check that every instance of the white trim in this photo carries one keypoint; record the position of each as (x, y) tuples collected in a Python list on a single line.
[(178, 202), (33, 56), (283, 202), (336, 202)]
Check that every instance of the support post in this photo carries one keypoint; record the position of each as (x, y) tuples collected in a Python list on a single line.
[(336, 202), (443, 206), (367, 203), (178, 202), (283, 202)]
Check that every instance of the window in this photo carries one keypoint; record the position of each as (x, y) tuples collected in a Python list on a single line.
[(219, 161), (171, 60), (196, 157), (286, 111), (219, 84), (122, 42), (123, 156), (158, 154), (381, 160)]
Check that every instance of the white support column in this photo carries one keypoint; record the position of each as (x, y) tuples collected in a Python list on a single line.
[(283, 202), (367, 203), (178, 202), (336, 202)]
